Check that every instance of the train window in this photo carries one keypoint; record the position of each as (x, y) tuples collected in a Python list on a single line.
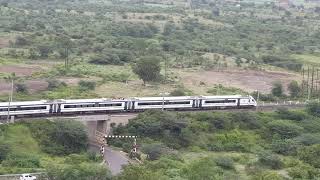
[(70, 106), (3, 109), (160, 103), (221, 101), (24, 108), (181, 102), (108, 105), (150, 103)]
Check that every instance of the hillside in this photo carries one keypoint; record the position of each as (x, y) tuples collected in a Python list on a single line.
[(56, 148), (277, 145), (57, 47)]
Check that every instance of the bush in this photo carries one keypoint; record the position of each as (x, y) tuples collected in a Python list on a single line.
[(178, 92), (153, 151), (310, 154), (308, 139), (277, 89), (270, 160), (234, 140), (22, 161), (4, 151), (21, 88), (314, 108), (267, 175), (60, 137), (246, 120), (225, 162), (215, 120), (105, 59), (86, 85), (284, 113), (205, 168), (304, 171), (286, 129), (294, 89), (53, 84), (284, 146)]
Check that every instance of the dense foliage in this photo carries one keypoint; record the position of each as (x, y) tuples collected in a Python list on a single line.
[(215, 145), (58, 148)]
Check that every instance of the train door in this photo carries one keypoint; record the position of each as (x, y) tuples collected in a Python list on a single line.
[(51, 108)]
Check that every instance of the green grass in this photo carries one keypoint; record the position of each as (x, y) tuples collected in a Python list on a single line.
[(20, 139), (308, 59)]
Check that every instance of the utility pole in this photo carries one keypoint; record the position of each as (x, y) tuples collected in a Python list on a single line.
[(165, 68), (308, 81), (312, 78), (10, 100)]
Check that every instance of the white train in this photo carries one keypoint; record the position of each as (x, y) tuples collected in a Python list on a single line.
[(58, 107)]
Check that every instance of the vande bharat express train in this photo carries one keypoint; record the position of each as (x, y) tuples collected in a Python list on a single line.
[(58, 107)]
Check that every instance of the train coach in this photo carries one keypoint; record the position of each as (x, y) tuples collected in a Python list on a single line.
[(58, 107), (25, 108)]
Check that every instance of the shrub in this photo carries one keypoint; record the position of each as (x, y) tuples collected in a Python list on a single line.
[(21, 88), (4, 151), (246, 120), (215, 120), (22, 160), (285, 129), (267, 175), (284, 146), (308, 139), (310, 154), (314, 108), (204, 169), (271, 160), (234, 140), (225, 162), (304, 171), (277, 89), (178, 92), (53, 83), (153, 151), (284, 113), (86, 85), (294, 89)]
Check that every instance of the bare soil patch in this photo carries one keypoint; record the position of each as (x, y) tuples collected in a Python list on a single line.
[(4, 42), (248, 80), (36, 85), (20, 70), (33, 86), (73, 81)]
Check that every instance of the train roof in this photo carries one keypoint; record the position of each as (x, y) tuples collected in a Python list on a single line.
[(23, 103), (165, 97), (87, 100), (225, 97)]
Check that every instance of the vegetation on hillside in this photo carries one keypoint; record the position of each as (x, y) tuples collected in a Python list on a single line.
[(104, 41), (219, 145), (57, 148)]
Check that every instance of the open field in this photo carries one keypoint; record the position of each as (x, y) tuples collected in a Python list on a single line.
[(308, 59), (248, 80)]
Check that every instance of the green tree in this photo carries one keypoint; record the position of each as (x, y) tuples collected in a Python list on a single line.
[(310, 155), (80, 171), (147, 68), (4, 151), (294, 89), (21, 88), (86, 85), (44, 50), (314, 108), (277, 89), (285, 128)]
